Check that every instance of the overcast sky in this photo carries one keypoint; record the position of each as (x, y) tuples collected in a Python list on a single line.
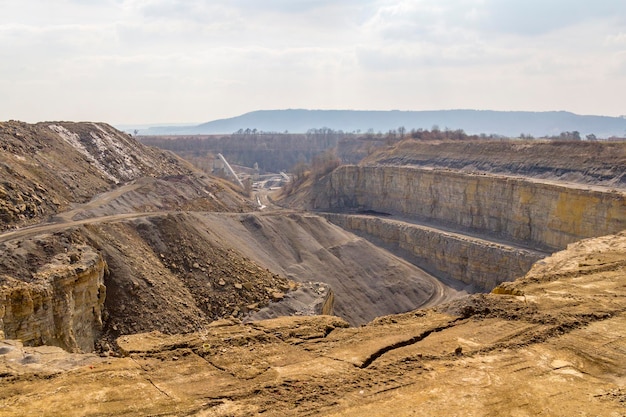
[(147, 61)]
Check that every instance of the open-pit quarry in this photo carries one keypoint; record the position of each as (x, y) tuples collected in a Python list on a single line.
[(429, 279)]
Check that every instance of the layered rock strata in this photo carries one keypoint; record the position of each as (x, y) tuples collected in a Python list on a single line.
[(545, 215), (481, 263), (61, 306)]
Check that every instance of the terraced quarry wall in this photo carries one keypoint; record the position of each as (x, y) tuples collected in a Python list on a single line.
[(474, 261), (535, 212)]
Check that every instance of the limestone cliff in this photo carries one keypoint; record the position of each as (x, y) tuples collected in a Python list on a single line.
[(482, 263), (546, 215), (61, 306)]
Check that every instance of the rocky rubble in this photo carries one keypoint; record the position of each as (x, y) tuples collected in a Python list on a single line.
[(19, 205), (304, 299), (81, 288), (47, 167), (366, 281)]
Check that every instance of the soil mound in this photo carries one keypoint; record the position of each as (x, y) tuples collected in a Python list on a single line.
[(46, 168)]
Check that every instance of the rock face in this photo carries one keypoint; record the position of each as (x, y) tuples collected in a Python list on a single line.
[(306, 299), (474, 261), (555, 336), (62, 305), (546, 215)]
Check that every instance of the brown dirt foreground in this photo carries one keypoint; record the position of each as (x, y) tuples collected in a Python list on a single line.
[(552, 343)]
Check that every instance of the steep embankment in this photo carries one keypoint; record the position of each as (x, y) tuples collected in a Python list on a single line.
[(81, 287), (47, 167), (169, 271), (54, 276), (172, 273), (366, 281), (177, 272), (544, 214), (481, 263), (555, 336), (52, 292), (478, 211), (583, 162)]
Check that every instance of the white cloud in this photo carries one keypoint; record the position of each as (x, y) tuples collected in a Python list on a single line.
[(618, 67), (535, 17), (174, 60), (617, 39)]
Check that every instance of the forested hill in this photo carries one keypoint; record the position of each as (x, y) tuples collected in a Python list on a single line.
[(512, 123)]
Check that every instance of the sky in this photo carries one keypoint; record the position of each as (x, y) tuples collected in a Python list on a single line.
[(174, 61)]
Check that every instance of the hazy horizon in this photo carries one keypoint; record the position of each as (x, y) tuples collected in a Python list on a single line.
[(132, 62), (192, 124)]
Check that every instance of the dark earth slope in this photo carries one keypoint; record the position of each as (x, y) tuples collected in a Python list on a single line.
[(599, 163), (47, 167)]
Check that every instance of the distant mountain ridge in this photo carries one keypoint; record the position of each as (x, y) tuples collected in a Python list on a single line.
[(507, 123)]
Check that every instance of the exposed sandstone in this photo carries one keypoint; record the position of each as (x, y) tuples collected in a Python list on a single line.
[(555, 336), (481, 263), (61, 305), (548, 215)]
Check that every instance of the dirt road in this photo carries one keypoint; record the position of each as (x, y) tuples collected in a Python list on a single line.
[(367, 281)]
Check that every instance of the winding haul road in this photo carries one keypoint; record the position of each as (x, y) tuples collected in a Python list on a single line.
[(439, 291), (65, 219)]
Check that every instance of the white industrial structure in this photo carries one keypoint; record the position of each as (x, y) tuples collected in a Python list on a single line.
[(229, 169)]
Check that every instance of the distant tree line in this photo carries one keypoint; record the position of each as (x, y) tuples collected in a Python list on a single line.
[(275, 151), (272, 152), (321, 165)]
